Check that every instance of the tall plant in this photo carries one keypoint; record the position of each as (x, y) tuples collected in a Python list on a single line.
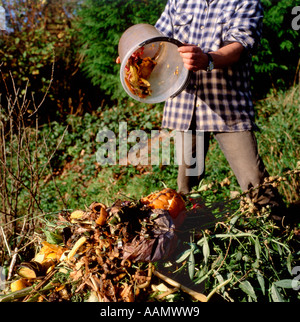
[(24, 160)]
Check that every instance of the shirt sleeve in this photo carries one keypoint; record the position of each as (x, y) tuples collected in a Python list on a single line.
[(164, 23), (245, 25)]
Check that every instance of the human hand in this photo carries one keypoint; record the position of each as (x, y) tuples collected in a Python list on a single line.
[(193, 57), (118, 60)]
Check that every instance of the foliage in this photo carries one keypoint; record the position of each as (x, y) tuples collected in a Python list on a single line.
[(277, 59), (31, 44), (74, 178), (40, 33), (246, 258), (101, 25)]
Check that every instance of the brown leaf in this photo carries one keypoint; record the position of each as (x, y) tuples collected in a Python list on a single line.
[(76, 275)]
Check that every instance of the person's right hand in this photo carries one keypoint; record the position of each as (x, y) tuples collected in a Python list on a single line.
[(118, 60), (193, 57)]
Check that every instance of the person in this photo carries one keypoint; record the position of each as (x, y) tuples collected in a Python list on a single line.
[(219, 38)]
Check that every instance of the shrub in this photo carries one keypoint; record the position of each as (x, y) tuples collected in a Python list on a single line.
[(101, 25), (277, 58), (38, 33)]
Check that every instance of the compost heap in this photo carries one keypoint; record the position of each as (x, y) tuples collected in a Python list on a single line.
[(101, 248), (137, 73)]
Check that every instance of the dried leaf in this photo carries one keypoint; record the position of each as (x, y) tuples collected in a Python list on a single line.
[(76, 275), (76, 247), (127, 293), (77, 214)]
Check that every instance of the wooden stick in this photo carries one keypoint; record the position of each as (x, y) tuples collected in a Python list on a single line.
[(166, 293), (12, 263), (5, 241), (39, 285), (198, 296)]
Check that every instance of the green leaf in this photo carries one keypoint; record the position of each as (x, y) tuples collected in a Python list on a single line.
[(53, 237), (206, 251), (246, 287), (276, 296), (191, 265), (184, 255), (287, 283), (261, 281), (239, 235), (234, 220), (257, 248), (289, 263)]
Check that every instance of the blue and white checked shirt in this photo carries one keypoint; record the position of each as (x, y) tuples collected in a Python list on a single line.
[(221, 98)]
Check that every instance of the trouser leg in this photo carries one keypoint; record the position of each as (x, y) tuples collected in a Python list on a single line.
[(191, 149), (241, 152)]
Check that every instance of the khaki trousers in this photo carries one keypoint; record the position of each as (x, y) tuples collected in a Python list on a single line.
[(241, 152)]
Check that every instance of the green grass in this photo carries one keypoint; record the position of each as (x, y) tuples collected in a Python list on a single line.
[(81, 180)]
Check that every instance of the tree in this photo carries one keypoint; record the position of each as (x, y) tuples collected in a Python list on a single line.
[(40, 33), (100, 27), (278, 56)]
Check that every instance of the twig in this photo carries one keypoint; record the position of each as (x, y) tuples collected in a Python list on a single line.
[(227, 251), (217, 288), (16, 295), (166, 293), (36, 288), (297, 72), (198, 296), (36, 108), (12, 263), (5, 241)]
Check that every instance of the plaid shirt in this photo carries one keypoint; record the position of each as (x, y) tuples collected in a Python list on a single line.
[(221, 98)]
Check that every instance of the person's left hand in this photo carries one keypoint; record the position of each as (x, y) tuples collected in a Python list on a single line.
[(193, 57)]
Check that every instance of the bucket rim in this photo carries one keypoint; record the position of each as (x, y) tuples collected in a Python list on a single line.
[(157, 39), (161, 38)]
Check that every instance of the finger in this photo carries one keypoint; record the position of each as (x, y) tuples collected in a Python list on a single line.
[(189, 55), (191, 67), (189, 49), (118, 60)]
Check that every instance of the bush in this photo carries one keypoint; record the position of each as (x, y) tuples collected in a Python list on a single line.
[(101, 25), (276, 61), (38, 34)]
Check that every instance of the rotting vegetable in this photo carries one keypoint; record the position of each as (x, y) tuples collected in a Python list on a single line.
[(137, 73)]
